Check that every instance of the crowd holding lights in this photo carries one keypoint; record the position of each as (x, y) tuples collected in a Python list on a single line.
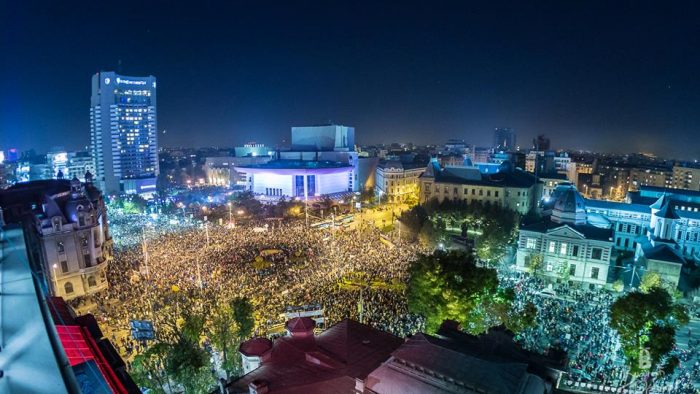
[(284, 265)]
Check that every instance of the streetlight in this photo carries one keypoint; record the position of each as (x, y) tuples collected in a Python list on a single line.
[(55, 280), (229, 213)]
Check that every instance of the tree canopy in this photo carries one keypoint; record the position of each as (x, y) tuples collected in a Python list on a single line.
[(449, 285), (646, 323)]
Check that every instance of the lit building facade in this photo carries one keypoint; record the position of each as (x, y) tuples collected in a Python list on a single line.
[(397, 182), (565, 245), (323, 138), (298, 179), (124, 140), (685, 177), (508, 187), (69, 232)]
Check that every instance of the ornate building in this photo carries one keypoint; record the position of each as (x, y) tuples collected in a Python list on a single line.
[(503, 185), (67, 233), (565, 245)]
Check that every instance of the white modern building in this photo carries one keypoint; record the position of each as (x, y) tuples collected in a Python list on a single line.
[(124, 137), (298, 179)]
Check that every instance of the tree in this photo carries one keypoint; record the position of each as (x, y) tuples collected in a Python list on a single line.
[(228, 324), (449, 285), (147, 368), (186, 362), (646, 324)]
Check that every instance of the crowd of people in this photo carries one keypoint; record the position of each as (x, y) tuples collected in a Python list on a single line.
[(273, 264), (279, 265), (577, 321)]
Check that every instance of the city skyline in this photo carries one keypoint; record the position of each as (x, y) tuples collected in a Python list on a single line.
[(237, 73)]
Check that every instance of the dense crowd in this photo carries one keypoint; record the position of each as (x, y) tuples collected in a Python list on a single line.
[(577, 321), (279, 265), (275, 265)]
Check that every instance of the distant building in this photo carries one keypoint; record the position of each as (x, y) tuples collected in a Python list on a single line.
[(504, 139), (481, 154), (67, 232), (397, 182), (541, 143), (298, 179), (123, 124), (253, 149), (685, 177), (506, 187), (650, 176), (220, 171), (323, 138)]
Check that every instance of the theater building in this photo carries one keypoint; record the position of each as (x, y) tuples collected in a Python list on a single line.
[(298, 178)]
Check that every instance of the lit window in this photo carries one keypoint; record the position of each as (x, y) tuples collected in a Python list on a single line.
[(552, 246), (562, 248), (531, 243)]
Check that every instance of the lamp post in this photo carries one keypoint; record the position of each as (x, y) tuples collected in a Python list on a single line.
[(55, 280), (229, 213)]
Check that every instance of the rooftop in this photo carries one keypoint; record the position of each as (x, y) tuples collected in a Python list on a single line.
[(28, 358), (297, 164)]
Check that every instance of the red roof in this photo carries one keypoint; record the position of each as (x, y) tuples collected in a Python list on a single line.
[(255, 346), (300, 324)]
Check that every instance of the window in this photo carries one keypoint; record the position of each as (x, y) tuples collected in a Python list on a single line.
[(81, 220), (56, 223), (473, 192), (488, 193), (481, 192), (60, 248), (552, 245), (91, 281), (627, 243), (86, 257), (574, 250), (597, 253), (563, 248), (68, 287), (531, 243), (572, 270), (495, 193), (64, 266), (595, 271)]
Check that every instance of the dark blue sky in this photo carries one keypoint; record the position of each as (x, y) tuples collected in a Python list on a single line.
[(609, 75)]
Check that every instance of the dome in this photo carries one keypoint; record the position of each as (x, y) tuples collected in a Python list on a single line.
[(301, 326), (569, 206)]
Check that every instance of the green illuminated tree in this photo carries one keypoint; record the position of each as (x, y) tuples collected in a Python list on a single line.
[(646, 323), (449, 285)]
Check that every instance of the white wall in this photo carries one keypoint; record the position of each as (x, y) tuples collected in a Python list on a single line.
[(332, 183), (262, 181)]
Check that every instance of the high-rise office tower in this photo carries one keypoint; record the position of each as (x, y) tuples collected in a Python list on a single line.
[(124, 140), (504, 139)]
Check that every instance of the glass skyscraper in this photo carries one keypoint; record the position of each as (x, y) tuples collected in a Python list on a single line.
[(124, 141)]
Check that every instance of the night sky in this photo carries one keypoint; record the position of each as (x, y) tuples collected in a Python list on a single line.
[(618, 77)]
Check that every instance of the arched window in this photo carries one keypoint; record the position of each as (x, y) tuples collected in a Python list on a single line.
[(68, 287), (91, 281)]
